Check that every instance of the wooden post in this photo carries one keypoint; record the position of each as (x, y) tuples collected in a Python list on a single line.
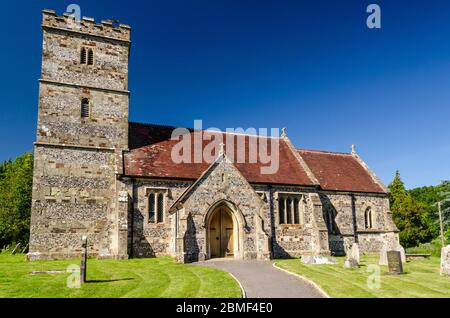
[(83, 260), (441, 225)]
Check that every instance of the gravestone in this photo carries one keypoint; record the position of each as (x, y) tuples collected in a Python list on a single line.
[(394, 260), (308, 259), (385, 249), (351, 263), (445, 260), (83, 264), (354, 252)]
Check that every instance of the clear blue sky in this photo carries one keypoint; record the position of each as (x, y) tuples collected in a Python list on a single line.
[(311, 66)]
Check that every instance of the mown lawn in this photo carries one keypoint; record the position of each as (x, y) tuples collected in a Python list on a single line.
[(155, 277), (422, 279)]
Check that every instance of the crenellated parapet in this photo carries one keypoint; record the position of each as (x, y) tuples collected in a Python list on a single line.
[(88, 26)]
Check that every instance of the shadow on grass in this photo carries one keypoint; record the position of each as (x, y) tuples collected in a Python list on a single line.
[(93, 281)]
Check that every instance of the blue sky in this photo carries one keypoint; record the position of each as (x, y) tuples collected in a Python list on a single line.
[(311, 66)]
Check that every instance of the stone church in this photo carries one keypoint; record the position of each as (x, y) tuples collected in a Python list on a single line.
[(97, 174)]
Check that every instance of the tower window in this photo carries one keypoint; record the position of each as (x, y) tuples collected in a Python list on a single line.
[(90, 59), (85, 108), (83, 56)]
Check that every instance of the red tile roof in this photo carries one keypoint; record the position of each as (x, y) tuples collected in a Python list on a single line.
[(151, 148), (339, 171)]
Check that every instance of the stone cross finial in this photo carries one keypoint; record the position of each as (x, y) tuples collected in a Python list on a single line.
[(353, 149), (283, 132)]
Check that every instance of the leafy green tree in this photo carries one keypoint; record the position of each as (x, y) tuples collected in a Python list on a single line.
[(409, 215), (15, 199), (430, 196)]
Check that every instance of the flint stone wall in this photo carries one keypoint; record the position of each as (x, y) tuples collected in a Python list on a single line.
[(222, 183), (153, 239), (73, 193), (349, 207), (75, 190)]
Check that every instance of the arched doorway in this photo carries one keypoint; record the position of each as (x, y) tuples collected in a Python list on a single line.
[(221, 233)]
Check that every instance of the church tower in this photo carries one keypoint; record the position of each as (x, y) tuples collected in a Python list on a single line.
[(82, 133)]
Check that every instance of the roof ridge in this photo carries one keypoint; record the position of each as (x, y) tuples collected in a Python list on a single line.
[(156, 125), (325, 152), (206, 130)]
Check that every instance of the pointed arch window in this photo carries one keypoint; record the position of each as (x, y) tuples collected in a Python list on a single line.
[(368, 221), (330, 220), (85, 108)]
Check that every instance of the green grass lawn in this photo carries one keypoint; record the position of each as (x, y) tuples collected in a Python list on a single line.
[(153, 277), (422, 278)]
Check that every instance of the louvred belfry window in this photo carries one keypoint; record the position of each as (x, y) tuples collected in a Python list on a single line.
[(83, 56), (85, 108)]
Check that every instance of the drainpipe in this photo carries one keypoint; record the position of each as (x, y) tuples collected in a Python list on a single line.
[(272, 220), (131, 212)]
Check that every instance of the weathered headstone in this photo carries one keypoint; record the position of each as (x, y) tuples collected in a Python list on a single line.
[(394, 260), (83, 260), (308, 259), (445, 260), (354, 252), (351, 263), (385, 249)]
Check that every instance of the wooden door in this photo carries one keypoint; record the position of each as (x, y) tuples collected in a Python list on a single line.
[(221, 234), (214, 235), (226, 233)]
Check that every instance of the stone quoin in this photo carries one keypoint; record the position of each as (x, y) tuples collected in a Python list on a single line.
[(96, 174)]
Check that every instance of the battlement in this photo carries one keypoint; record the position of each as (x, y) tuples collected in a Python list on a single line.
[(86, 25)]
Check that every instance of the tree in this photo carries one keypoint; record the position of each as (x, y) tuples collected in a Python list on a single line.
[(409, 215), (16, 180)]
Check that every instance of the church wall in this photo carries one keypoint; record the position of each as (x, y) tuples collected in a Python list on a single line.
[(348, 207), (73, 193), (223, 183), (153, 239), (289, 240)]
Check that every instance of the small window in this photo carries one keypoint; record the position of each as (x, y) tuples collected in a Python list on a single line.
[(90, 59), (160, 208), (330, 220), (151, 208), (85, 108), (281, 210), (83, 56), (296, 214), (156, 206), (289, 209), (368, 218)]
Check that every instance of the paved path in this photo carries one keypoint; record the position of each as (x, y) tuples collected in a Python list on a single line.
[(261, 280)]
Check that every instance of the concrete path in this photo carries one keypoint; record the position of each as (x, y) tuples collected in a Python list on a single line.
[(261, 280)]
